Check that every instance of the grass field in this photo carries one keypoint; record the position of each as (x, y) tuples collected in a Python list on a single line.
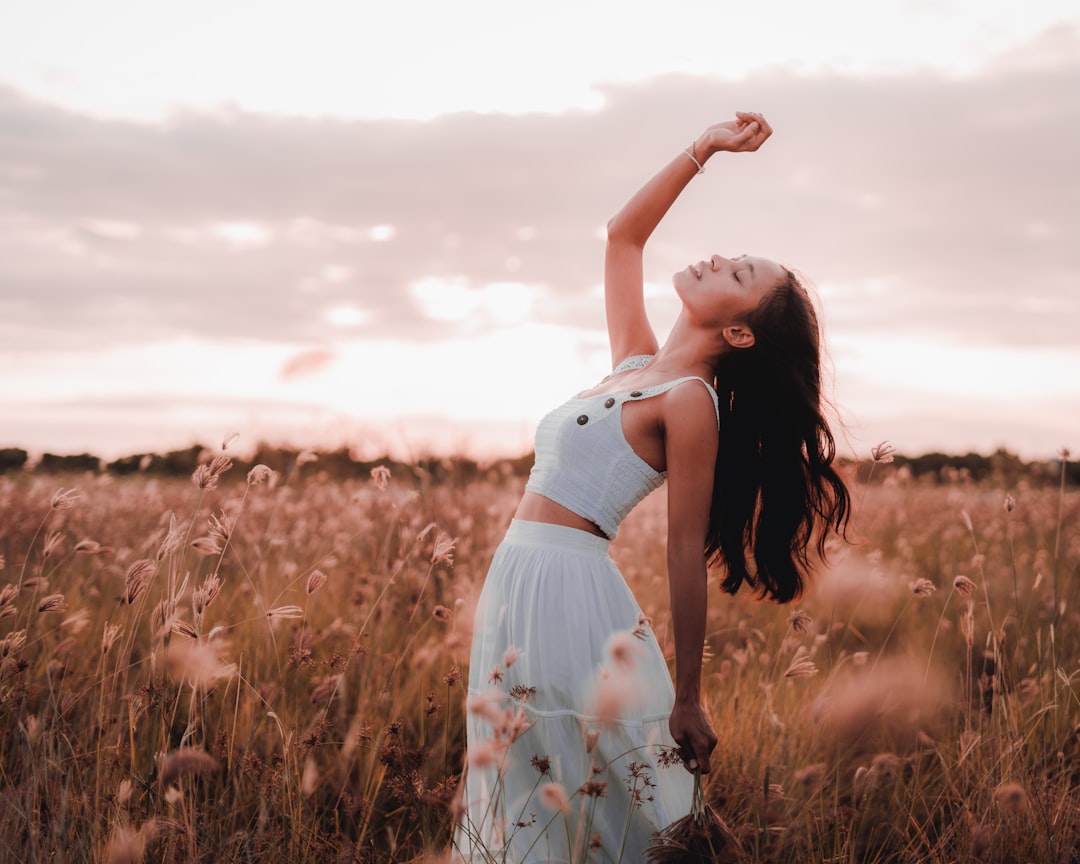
[(270, 668)]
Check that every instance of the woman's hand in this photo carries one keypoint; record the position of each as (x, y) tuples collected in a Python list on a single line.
[(694, 734), (744, 134)]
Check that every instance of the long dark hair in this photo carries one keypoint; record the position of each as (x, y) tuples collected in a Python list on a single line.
[(776, 493)]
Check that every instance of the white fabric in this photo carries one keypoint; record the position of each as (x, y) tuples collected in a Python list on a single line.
[(554, 596), (583, 460)]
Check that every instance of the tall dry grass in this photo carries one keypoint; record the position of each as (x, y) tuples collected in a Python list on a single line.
[(271, 669)]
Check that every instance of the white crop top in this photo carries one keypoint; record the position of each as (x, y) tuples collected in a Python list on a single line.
[(583, 460)]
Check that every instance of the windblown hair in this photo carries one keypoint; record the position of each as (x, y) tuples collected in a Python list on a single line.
[(776, 494)]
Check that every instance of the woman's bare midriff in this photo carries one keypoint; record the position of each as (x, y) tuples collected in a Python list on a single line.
[(537, 508)]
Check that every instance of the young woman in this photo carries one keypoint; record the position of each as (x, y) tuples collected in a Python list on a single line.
[(570, 699)]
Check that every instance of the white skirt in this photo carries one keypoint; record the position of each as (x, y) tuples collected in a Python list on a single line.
[(569, 700)]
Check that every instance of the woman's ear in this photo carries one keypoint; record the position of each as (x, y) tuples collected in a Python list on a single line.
[(738, 336)]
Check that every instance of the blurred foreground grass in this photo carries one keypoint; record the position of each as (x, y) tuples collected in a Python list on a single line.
[(252, 669)]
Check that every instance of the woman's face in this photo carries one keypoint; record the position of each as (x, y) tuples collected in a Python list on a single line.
[(720, 291)]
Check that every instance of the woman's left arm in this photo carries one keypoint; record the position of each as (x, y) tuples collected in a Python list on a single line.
[(691, 441)]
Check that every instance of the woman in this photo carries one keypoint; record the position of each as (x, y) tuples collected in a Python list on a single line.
[(570, 699)]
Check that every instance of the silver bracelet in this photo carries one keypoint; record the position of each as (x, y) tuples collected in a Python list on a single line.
[(689, 151)]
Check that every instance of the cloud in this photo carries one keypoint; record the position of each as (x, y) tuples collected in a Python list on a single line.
[(945, 207)]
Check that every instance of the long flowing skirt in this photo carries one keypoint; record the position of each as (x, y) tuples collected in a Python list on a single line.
[(569, 698)]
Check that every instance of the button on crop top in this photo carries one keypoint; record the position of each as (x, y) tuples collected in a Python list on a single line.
[(583, 460)]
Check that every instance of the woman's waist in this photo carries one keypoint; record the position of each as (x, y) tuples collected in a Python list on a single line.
[(553, 537), (535, 507)]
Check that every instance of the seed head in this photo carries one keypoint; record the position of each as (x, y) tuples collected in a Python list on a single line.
[(800, 621), (381, 475), (64, 499), (553, 796), (964, 586), (91, 547), (882, 453), (1010, 503), (442, 614), (1011, 797), (137, 578), (922, 588), (53, 603), (259, 474), (443, 553), (184, 762), (510, 656), (315, 581), (283, 612)]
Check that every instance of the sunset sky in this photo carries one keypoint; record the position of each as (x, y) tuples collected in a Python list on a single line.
[(380, 224)]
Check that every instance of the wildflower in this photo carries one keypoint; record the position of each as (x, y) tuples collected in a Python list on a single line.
[(203, 478), (444, 550), (800, 621), (259, 474), (885, 763), (202, 597), (486, 753), (541, 764), (12, 643), (964, 586), (283, 612), (623, 650), (594, 789), (643, 623), (195, 662), (380, 474), (7, 594), (220, 529), (811, 775), (91, 547), (521, 692), (453, 676), (315, 581), (309, 782), (801, 666), (967, 623), (495, 676), (53, 603), (52, 544), (864, 781), (172, 540), (109, 637), (1010, 503), (183, 762), (510, 656), (137, 578), (442, 614), (882, 453), (922, 588), (206, 546), (1064, 454), (1011, 797), (220, 464), (128, 846), (64, 499), (592, 736), (553, 796), (487, 705)]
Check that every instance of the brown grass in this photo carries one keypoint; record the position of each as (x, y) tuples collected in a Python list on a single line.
[(272, 671)]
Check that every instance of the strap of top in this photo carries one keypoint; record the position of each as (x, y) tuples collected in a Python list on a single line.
[(638, 361)]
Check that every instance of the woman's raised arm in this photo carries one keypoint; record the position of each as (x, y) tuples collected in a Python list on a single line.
[(629, 330)]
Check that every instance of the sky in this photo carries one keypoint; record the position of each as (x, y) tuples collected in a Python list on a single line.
[(380, 224)]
